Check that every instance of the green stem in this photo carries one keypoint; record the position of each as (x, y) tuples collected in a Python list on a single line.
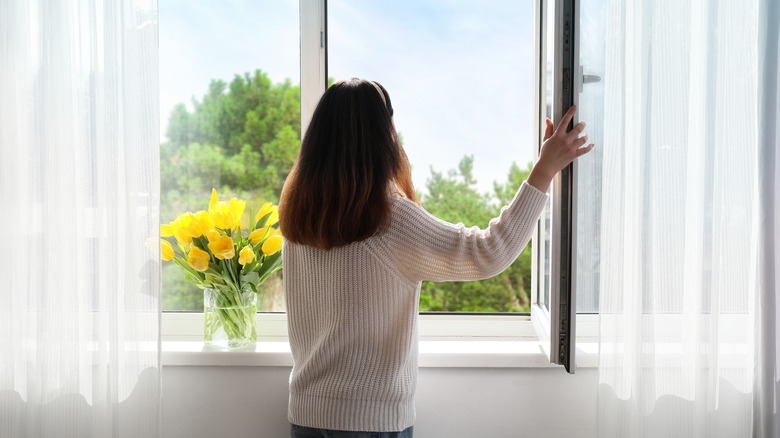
[(226, 266), (235, 317), (189, 268)]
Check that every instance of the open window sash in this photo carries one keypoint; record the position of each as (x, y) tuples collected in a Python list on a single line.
[(554, 308)]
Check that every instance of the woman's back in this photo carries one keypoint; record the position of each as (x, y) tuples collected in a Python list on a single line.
[(352, 310), (353, 337)]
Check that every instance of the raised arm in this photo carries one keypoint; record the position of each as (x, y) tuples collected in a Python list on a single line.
[(427, 248)]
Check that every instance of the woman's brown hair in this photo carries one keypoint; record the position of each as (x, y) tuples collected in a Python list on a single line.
[(337, 191)]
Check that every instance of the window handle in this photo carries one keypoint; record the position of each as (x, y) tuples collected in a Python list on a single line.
[(581, 79), (589, 79)]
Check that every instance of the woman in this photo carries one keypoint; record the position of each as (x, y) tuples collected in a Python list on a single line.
[(357, 246)]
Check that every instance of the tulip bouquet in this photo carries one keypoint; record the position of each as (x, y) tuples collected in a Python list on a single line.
[(229, 263)]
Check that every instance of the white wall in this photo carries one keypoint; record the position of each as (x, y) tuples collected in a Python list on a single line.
[(246, 401)]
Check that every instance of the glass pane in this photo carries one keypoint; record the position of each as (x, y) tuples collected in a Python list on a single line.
[(230, 115), (460, 75), (591, 110), (546, 283), (548, 57)]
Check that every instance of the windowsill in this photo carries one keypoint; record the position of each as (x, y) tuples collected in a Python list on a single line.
[(446, 341), (449, 353)]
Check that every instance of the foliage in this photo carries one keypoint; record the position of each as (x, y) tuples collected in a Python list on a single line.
[(454, 197), (242, 137)]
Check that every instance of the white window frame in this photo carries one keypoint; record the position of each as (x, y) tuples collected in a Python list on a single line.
[(558, 325), (188, 326), (314, 56), (540, 317)]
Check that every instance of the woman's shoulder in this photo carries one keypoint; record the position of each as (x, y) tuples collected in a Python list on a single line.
[(401, 204), (404, 207), (410, 220)]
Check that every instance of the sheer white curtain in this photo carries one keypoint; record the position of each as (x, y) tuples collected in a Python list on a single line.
[(79, 184), (687, 323), (766, 387)]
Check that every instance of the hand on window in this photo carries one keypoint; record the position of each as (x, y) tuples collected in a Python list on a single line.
[(558, 150)]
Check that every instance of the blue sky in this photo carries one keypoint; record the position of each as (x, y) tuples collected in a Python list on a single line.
[(459, 72)]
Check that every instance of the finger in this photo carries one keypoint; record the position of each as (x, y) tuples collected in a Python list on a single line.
[(578, 128), (567, 118), (549, 130), (580, 141), (585, 150)]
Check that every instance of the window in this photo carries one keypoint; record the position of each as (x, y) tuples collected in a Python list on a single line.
[(239, 81), (570, 63), (552, 311), (460, 77), (230, 98), (220, 112)]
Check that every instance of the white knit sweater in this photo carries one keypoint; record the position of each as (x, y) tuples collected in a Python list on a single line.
[(352, 311)]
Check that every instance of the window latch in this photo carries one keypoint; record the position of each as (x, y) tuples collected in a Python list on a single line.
[(589, 79), (582, 79)]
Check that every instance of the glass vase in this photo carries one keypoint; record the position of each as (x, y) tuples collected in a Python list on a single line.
[(229, 319)]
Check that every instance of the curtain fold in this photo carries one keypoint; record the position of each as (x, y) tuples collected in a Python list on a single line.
[(766, 421), (687, 291), (79, 185)]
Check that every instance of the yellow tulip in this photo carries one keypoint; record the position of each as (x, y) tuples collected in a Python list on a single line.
[(226, 215), (198, 259), (274, 217), (185, 227), (237, 208), (212, 235), (246, 256), (257, 235), (204, 222), (167, 250), (271, 210), (181, 235), (223, 217), (166, 230), (214, 198), (189, 223), (272, 245), (264, 210), (222, 248)]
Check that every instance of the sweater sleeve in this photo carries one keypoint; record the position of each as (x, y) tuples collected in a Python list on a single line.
[(424, 247)]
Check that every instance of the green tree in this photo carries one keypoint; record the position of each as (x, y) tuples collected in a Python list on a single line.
[(252, 123)]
